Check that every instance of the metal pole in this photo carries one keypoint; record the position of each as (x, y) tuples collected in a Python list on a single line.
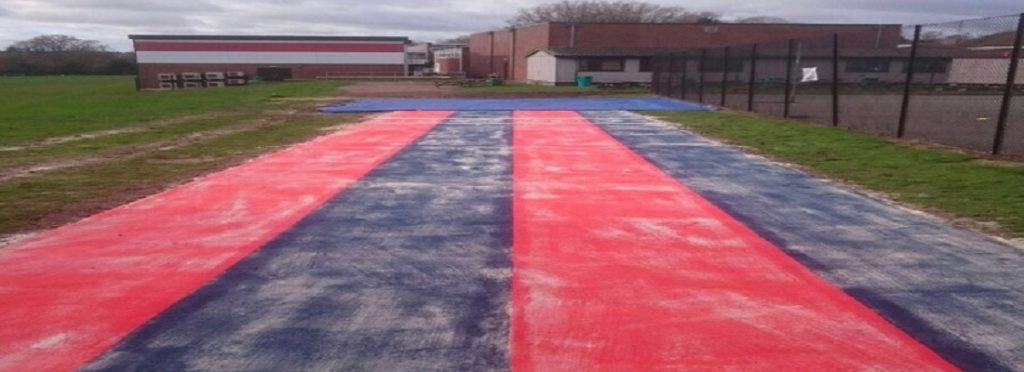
[(671, 65), (910, 80), (700, 80), (725, 74), (753, 75), (686, 60), (789, 79), (656, 74), (835, 80), (1011, 79)]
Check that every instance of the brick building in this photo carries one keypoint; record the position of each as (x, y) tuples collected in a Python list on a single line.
[(505, 51), (187, 61)]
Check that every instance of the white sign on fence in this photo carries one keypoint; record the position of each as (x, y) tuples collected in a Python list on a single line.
[(810, 74)]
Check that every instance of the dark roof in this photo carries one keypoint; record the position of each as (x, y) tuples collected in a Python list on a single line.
[(269, 37)]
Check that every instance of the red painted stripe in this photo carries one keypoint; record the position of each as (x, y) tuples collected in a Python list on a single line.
[(68, 294), (620, 267), (184, 46)]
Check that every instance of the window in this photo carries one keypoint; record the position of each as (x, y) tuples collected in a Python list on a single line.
[(717, 64), (928, 66), (867, 65), (645, 64), (601, 64), (417, 55)]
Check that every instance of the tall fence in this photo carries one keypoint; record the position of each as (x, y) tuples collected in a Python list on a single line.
[(957, 83)]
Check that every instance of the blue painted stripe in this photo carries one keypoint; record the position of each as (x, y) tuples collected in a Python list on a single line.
[(407, 270), (545, 104), (957, 291)]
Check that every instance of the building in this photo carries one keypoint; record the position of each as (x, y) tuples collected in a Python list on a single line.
[(505, 51), (450, 59), (418, 61), (191, 61)]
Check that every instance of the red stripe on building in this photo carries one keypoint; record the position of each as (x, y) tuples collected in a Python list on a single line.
[(619, 267), (69, 294), (185, 46)]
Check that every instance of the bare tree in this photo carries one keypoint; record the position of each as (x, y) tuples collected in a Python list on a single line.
[(596, 11), (761, 19), (57, 43), (461, 39), (63, 54)]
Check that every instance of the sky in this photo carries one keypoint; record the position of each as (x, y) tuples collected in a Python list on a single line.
[(110, 21)]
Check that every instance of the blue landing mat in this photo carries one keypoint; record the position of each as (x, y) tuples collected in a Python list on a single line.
[(541, 104)]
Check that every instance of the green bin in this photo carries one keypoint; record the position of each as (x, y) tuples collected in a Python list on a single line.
[(584, 81)]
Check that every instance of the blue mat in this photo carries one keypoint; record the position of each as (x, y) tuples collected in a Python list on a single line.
[(541, 104)]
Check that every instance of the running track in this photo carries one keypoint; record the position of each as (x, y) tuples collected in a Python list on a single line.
[(536, 241)]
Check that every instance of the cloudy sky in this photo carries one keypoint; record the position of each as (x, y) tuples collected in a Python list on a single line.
[(109, 21)]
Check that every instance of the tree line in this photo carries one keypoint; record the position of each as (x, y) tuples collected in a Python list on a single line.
[(64, 55)]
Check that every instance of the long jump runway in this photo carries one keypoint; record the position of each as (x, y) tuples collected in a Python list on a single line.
[(489, 241)]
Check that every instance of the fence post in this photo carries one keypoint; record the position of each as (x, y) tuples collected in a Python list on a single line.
[(789, 79), (1011, 79), (655, 74), (668, 83), (753, 75), (700, 80), (682, 88), (835, 80), (725, 74), (910, 80)]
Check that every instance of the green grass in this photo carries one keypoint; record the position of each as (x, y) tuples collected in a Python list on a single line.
[(955, 183), (166, 138), (35, 108), (521, 88), (59, 197)]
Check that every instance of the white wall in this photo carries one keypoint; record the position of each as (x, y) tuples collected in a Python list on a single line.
[(630, 74), (271, 57), (983, 71), (541, 68)]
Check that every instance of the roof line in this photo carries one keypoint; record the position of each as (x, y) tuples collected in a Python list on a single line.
[(268, 37)]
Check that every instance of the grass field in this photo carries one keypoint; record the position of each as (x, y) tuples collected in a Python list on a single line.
[(954, 183), (76, 145)]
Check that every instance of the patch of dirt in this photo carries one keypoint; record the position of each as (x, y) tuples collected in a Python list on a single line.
[(131, 129), (427, 89), (127, 152)]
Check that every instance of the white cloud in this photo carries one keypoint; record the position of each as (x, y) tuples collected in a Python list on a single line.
[(110, 21)]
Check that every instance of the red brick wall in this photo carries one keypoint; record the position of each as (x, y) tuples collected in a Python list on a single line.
[(632, 35), (526, 40), (611, 35), (148, 71), (479, 54)]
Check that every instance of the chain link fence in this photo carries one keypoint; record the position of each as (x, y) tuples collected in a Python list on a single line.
[(957, 84)]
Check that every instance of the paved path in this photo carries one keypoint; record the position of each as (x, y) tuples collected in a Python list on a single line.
[(541, 241)]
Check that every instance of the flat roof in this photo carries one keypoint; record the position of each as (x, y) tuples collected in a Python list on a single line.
[(269, 37)]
